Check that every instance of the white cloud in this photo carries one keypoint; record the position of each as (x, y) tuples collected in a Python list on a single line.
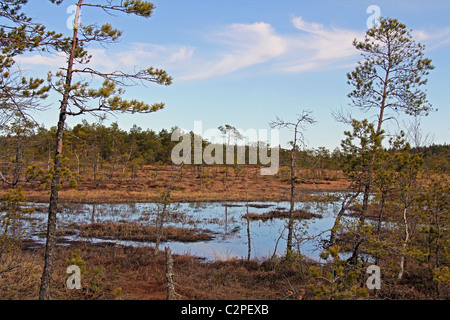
[(433, 39), (309, 27), (180, 55), (235, 47), (246, 45), (241, 46), (55, 60), (138, 55), (141, 55), (318, 48)]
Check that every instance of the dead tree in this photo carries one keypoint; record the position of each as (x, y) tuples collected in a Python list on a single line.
[(297, 127), (162, 213), (169, 275)]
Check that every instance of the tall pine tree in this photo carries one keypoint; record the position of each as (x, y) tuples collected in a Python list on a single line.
[(79, 98)]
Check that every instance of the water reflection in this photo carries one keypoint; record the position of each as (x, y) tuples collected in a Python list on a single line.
[(235, 236)]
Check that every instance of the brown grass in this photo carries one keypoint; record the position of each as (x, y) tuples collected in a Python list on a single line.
[(274, 214), (210, 185), (134, 273), (136, 232)]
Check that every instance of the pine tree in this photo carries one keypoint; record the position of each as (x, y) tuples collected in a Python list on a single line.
[(389, 79), (79, 98), (392, 73), (19, 34)]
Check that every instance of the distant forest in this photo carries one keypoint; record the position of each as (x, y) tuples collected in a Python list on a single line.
[(28, 151)]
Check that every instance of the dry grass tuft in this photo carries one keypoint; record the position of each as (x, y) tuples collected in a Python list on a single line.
[(277, 214), (136, 232)]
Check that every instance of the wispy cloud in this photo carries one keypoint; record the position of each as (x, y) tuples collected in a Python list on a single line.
[(318, 48), (52, 61), (314, 47), (145, 55), (236, 47), (138, 55), (245, 45), (433, 39)]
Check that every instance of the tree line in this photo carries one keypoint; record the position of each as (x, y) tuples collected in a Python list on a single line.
[(94, 148)]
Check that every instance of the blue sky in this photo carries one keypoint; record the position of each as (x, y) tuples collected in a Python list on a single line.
[(246, 62)]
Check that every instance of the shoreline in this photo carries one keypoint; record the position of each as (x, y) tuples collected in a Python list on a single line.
[(212, 184), (105, 196)]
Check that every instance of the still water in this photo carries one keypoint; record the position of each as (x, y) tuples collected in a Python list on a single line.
[(225, 220)]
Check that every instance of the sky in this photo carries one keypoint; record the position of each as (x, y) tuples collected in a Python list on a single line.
[(247, 62)]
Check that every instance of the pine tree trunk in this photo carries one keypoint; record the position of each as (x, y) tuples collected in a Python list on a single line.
[(50, 246), (365, 205), (44, 293)]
